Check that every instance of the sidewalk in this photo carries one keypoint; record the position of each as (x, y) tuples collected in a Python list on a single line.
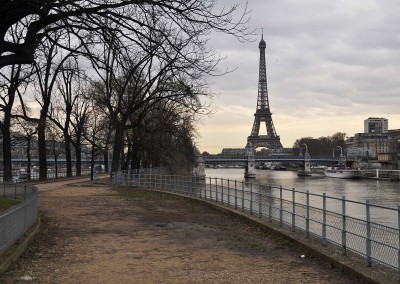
[(92, 234)]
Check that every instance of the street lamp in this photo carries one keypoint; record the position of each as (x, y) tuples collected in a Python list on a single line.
[(333, 151), (306, 148)]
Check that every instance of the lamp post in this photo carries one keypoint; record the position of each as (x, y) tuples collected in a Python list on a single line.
[(306, 170), (306, 148), (333, 151)]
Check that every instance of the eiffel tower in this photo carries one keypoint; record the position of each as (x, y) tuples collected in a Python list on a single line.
[(263, 113)]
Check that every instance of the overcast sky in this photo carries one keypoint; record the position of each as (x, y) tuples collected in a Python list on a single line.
[(330, 65)]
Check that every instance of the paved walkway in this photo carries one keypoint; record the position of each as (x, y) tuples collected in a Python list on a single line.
[(93, 234)]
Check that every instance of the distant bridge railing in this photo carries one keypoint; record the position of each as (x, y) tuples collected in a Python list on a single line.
[(349, 225), (274, 158)]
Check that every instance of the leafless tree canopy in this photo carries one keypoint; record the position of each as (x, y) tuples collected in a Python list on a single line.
[(188, 19)]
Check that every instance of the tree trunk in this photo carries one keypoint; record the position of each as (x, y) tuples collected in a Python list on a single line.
[(7, 163), (56, 165), (68, 155), (135, 159), (123, 164), (118, 142), (92, 163), (42, 149), (28, 156), (78, 154), (105, 158)]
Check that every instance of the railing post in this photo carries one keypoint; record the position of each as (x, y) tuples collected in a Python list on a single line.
[(344, 229), (235, 195), (307, 214), (210, 189), (242, 196), (25, 192), (270, 204), (368, 240), (15, 191), (398, 233), (193, 186), (259, 202), (205, 188), (229, 197), (222, 191), (280, 207), (324, 219), (293, 210), (251, 198), (201, 187), (216, 190)]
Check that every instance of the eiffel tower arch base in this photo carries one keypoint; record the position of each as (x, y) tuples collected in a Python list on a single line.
[(265, 142)]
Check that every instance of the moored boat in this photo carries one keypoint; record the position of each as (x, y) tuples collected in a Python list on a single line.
[(342, 172)]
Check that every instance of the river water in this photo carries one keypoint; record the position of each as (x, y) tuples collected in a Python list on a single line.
[(378, 192)]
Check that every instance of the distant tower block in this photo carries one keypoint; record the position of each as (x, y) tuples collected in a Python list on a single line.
[(263, 113)]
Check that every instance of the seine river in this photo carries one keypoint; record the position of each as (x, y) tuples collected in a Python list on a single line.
[(378, 192)]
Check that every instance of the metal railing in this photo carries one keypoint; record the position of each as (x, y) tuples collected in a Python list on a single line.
[(371, 231), (16, 220), (23, 177), (381, 174)]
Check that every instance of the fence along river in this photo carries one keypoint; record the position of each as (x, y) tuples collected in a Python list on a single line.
[(369, 230), (378, 192)]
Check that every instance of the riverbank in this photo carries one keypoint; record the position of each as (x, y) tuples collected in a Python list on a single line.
[(99, 234)]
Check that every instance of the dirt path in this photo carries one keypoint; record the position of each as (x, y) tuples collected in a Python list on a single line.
[(95, 235)]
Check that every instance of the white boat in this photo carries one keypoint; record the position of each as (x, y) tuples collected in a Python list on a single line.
[(339, 172)]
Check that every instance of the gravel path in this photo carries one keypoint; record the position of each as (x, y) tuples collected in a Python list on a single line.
[(95, 234)]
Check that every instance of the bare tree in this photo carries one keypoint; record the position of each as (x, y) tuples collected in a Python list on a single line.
[(135, 77), (70, 90), (26, 132), (54, 146), (12, 80), (47, 67), (9, 88), (94, 132), (168, 140), (79, 117)]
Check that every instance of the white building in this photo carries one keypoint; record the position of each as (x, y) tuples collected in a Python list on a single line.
[(376, 125)]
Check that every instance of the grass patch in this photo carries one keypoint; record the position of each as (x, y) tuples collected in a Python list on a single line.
[(6, 203)]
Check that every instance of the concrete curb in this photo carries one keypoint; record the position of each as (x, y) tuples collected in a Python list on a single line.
[(15, 251)]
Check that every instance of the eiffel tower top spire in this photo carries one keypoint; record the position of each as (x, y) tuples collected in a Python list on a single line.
[(262, 42)]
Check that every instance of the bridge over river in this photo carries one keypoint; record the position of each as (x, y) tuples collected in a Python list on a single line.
[(285, 159)]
